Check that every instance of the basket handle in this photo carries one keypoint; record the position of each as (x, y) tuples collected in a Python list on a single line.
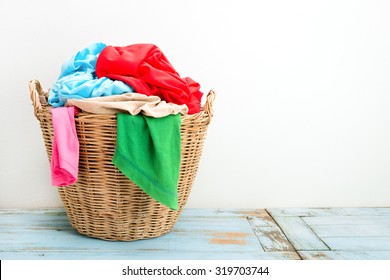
[(38, 96), (208, 106)]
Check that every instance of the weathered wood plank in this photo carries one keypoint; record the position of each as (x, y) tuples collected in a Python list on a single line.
[(345, 255), (351, 233), (15, 231), (347, 220), (222, 213), (45, 211), (159, 255), (298, 212), (351, 230), (300, 234), (366, 243), (40, 232), (362, 211), (338, 211), (272, 239), (258, 222), (205, 223), (210, 240), (36, 219)]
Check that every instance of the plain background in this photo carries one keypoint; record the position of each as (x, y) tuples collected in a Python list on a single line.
[(302, 113)]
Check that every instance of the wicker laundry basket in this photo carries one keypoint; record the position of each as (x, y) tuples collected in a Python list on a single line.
[(104, 203)]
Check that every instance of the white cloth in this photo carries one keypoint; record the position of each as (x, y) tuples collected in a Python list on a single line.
[(133, 103)]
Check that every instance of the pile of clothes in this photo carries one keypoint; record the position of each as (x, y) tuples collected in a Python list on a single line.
[(138, 83)]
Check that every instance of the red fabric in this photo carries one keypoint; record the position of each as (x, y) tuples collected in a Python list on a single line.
[(146, 69)]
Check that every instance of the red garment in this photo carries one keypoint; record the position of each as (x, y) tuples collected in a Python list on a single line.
[(145, 68)]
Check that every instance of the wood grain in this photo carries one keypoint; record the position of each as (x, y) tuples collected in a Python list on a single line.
[(198, 234), (242, 234)]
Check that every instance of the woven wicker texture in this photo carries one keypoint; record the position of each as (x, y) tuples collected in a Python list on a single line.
[(104, 203)]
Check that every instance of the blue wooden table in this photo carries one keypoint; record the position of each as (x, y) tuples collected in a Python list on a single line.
[(278, 233)]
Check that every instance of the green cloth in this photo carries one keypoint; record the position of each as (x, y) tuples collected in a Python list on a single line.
[(148, 152)]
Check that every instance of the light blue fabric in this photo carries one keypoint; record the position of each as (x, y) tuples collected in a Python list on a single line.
[(78, 79)]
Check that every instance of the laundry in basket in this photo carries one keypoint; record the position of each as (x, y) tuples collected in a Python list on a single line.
[(103, 202)]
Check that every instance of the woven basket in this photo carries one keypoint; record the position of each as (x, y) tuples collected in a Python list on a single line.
[(104, 203)]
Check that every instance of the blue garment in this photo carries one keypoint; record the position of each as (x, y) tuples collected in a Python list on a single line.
[(78, 79)]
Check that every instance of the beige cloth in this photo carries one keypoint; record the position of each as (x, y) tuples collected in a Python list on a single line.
[(133, 103)]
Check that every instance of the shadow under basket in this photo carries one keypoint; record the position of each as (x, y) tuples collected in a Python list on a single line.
[(104, 203)]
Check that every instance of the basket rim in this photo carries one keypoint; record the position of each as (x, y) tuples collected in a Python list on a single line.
[(39, 97)]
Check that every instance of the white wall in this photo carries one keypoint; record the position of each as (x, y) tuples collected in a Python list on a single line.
[(302, 114)]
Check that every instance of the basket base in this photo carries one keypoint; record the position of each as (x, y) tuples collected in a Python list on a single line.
[(112, 221), (125, 238)]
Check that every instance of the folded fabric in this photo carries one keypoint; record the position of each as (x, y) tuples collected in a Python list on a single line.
[(133, 103), (148, 152), (65, 151), (146, 69), (78, 79)]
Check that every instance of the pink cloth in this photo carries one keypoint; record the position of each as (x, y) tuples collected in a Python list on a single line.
[(65, 152)]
